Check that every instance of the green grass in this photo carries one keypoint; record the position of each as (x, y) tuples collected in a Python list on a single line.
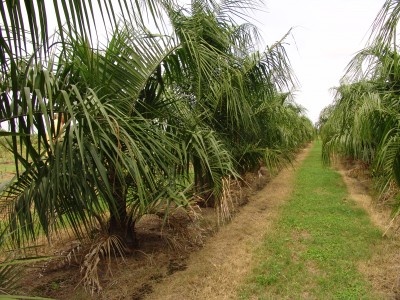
[(7, 165), (7, 162), (314, 248)]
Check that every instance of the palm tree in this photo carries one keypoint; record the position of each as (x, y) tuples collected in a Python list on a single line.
[(230, 95), (117, 140), (116, 149), (364, 120)]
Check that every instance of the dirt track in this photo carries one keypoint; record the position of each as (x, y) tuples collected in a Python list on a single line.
[(218, 269)]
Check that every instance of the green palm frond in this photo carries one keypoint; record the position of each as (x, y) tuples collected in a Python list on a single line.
[(384, 28), (115, 128)]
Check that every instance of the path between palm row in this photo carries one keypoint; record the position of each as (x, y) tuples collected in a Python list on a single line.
[(218, 269)]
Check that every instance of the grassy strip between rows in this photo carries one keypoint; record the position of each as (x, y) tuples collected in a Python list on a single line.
[(316, 245)]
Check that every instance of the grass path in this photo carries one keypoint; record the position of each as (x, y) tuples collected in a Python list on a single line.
[(218, 270), (316, 246), (300, 237)]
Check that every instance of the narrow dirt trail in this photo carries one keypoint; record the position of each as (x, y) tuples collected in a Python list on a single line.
[(360, 194), (218, 269), (383, 269)]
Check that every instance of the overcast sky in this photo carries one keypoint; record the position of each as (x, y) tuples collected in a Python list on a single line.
[(326, 35)]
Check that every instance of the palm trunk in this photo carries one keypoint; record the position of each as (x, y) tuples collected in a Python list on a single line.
[(202, 184), (120, 223)]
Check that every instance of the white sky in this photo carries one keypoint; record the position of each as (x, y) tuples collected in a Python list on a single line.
[(326, 36)]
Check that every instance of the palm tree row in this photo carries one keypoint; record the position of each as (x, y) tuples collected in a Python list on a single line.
[(106, 134), (363, 122)]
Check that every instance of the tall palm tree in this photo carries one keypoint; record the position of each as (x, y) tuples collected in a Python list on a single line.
[(364, 119), (117, 140), (229, 91), (116, 148)]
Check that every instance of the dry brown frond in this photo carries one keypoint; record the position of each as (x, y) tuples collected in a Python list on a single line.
[(184, 228), (105, 247), (225, 207)]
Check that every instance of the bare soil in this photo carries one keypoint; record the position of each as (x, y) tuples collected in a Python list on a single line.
[(192, 257)]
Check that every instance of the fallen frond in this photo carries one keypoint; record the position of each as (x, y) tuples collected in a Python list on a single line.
[(104, 248)]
